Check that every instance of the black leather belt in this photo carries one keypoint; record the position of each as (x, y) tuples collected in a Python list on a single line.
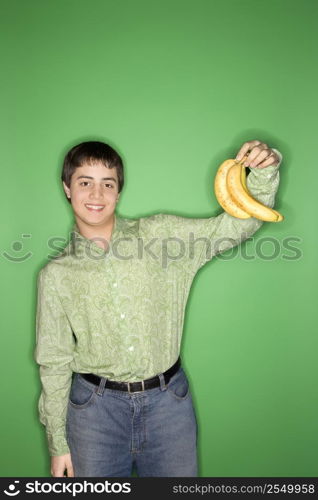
[(149, 383)]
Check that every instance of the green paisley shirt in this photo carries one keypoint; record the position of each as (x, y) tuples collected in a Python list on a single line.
[(119, 313)]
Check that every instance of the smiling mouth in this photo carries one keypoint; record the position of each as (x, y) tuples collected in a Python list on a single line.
[(94, 208)]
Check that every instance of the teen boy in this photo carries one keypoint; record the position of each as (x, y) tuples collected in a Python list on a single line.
[(110, 316)]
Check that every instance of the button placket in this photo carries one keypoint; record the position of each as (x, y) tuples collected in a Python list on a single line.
[(121, 315)]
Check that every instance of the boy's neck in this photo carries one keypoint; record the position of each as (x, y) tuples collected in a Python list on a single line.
[(100, 234)]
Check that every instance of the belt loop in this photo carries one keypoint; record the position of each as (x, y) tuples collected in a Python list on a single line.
[(163, 386), (101, 387)]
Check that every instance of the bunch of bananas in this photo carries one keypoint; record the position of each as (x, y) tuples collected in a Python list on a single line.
[(234, 197)]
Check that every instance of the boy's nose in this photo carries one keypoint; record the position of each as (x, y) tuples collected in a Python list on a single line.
[(96, 192)]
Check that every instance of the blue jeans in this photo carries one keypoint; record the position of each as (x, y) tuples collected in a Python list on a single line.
[(109, 431)]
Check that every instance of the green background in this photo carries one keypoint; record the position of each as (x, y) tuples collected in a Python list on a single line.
[(177, 87)]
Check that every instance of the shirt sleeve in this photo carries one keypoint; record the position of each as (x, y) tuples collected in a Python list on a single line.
[(54, 353), (204, 238)]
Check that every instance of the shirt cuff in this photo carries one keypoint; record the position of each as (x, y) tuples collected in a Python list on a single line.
[(280, 156), (57, 445)]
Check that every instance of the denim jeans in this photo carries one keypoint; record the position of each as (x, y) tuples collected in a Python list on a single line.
[(109, 431)]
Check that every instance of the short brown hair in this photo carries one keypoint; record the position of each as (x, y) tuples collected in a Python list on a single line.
[(88, 152)]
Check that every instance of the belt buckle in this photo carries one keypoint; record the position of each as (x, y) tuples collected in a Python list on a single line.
[(133, 392)]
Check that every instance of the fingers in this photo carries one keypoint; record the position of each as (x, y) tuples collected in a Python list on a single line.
[(260, 155), (247, 146), (57, 472), (61, 463), (70, 470), (270, 160)]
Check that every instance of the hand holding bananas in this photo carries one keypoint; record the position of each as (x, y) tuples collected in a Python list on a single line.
[(230, 183)]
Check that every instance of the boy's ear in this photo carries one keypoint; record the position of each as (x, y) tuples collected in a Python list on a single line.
[(67, 190)]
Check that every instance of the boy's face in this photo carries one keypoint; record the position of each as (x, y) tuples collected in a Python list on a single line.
[(93, 193)]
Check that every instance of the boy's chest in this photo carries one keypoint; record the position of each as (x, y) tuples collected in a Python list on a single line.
[(111, 277), (122, 292)]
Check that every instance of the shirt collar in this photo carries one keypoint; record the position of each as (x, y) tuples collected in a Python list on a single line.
[(79, 242)]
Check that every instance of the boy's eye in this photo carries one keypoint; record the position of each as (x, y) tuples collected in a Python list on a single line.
[(87, 183)]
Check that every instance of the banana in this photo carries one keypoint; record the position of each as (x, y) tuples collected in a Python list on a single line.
[(243, 175), (242, 198), (280, 217), (222, 194)]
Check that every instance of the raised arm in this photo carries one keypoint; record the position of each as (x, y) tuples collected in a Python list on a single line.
[(204, 238), (262, 183)]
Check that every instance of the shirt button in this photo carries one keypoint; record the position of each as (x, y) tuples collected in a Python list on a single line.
[(115, 284), (131, 348), (122, 315)]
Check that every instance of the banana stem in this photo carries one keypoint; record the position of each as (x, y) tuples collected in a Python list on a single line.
[(243, 160)]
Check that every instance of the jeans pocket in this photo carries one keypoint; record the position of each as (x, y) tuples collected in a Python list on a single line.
[(178, 386), (81, 394)]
